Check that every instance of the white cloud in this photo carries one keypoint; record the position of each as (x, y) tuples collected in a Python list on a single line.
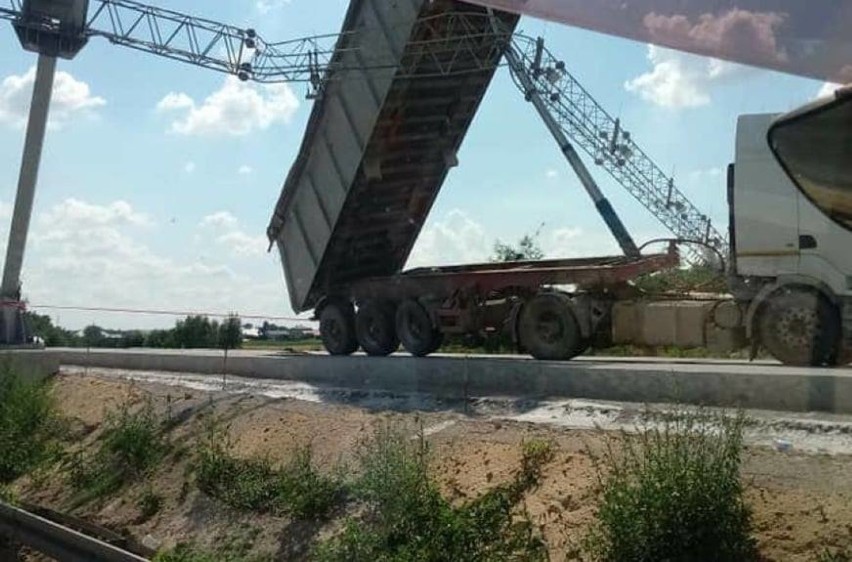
[(245, 170), (680, 80), (458, 239), (266, 6), (229, 235), (828, 89), (85, 254), (241, 244), (552, 174), (452, 240), (174, 100), (71, 97), (237, 109), (189, 167), (222, 220)]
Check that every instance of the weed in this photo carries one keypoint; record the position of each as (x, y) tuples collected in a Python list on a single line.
[(132, 444), (27, 425), (186, 552), (256, 485), (408, 519), (837, 555), (149, 504), (673, 492)]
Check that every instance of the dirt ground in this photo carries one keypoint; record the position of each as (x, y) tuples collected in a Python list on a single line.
[(801, 501)]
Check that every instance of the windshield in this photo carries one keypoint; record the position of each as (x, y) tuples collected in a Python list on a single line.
[(816, 149)]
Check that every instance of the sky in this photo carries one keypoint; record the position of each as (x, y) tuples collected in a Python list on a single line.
[(158, 178)]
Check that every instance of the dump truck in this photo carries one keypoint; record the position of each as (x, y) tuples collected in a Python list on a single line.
[(380, 143)]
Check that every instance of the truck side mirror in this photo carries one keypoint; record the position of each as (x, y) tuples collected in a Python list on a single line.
[(814, 146)]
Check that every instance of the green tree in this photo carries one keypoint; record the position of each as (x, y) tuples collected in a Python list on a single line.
[(93, 336), (52, 336), (196, 332), (160, 339), (528, 248)]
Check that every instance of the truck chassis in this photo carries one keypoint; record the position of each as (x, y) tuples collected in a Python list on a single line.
[(551, 308)]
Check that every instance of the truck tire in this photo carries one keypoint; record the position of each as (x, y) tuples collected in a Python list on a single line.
[(800, 328), (548, 329), (415, 330), (375, 328), (337, 328)]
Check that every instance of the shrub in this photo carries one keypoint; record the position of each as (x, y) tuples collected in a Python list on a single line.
[(673, 492), (256, 485), (27, 425), (408, 519), (132, 444)]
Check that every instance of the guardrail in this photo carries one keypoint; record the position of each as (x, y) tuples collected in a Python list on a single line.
[(57, 541)]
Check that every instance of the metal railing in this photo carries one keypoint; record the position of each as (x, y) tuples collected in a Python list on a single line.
[(20, 527)]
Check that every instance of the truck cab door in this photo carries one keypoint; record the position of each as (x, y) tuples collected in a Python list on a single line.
[(814, 147)]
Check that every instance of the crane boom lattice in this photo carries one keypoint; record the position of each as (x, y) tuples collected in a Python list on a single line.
[(603, 138)]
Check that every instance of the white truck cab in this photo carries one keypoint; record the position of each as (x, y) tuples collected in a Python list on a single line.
[(790, 197)]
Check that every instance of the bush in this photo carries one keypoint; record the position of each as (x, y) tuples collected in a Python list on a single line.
[(27, 425), (673, 492), (256, 485), (132, 444), (407, 518), (186, 552)]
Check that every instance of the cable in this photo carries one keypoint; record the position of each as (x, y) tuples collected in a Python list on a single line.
[(167, 313)]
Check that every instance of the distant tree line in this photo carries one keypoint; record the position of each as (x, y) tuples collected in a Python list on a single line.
[(193, 332)]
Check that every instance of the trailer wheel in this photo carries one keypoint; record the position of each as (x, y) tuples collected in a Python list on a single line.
[(800, 328), (548, 328), (415, 330), (375, 328), (337, 328)]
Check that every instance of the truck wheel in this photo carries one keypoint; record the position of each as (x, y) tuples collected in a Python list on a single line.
[(548, 328), (800, 328), (374, 326), (415, 329), (337, 328)]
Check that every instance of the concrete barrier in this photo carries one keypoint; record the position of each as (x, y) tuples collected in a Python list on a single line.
[(34, 364), (719, 383)]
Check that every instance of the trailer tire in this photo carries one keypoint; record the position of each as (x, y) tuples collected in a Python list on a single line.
[(375, 328), (415, 330), (548, 328), (800, 327), (337, 328)]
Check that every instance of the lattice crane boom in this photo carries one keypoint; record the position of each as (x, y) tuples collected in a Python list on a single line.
[(603, 138)]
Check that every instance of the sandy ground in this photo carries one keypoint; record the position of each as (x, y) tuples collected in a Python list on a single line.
[(801, 497)]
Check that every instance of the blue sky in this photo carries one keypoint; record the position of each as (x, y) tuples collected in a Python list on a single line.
[(158, 178)]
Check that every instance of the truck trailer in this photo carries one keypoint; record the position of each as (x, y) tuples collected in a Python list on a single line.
[(379, 145)]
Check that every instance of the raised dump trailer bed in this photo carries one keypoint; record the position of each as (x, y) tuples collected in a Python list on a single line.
[(408, 77)]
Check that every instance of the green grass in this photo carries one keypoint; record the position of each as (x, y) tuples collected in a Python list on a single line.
[(673, 492), (132, 444), (255, 484), (408, 519), (28, 426)]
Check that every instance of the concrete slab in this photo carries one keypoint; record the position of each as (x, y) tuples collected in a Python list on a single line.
[(718, 383), (34, 364)]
